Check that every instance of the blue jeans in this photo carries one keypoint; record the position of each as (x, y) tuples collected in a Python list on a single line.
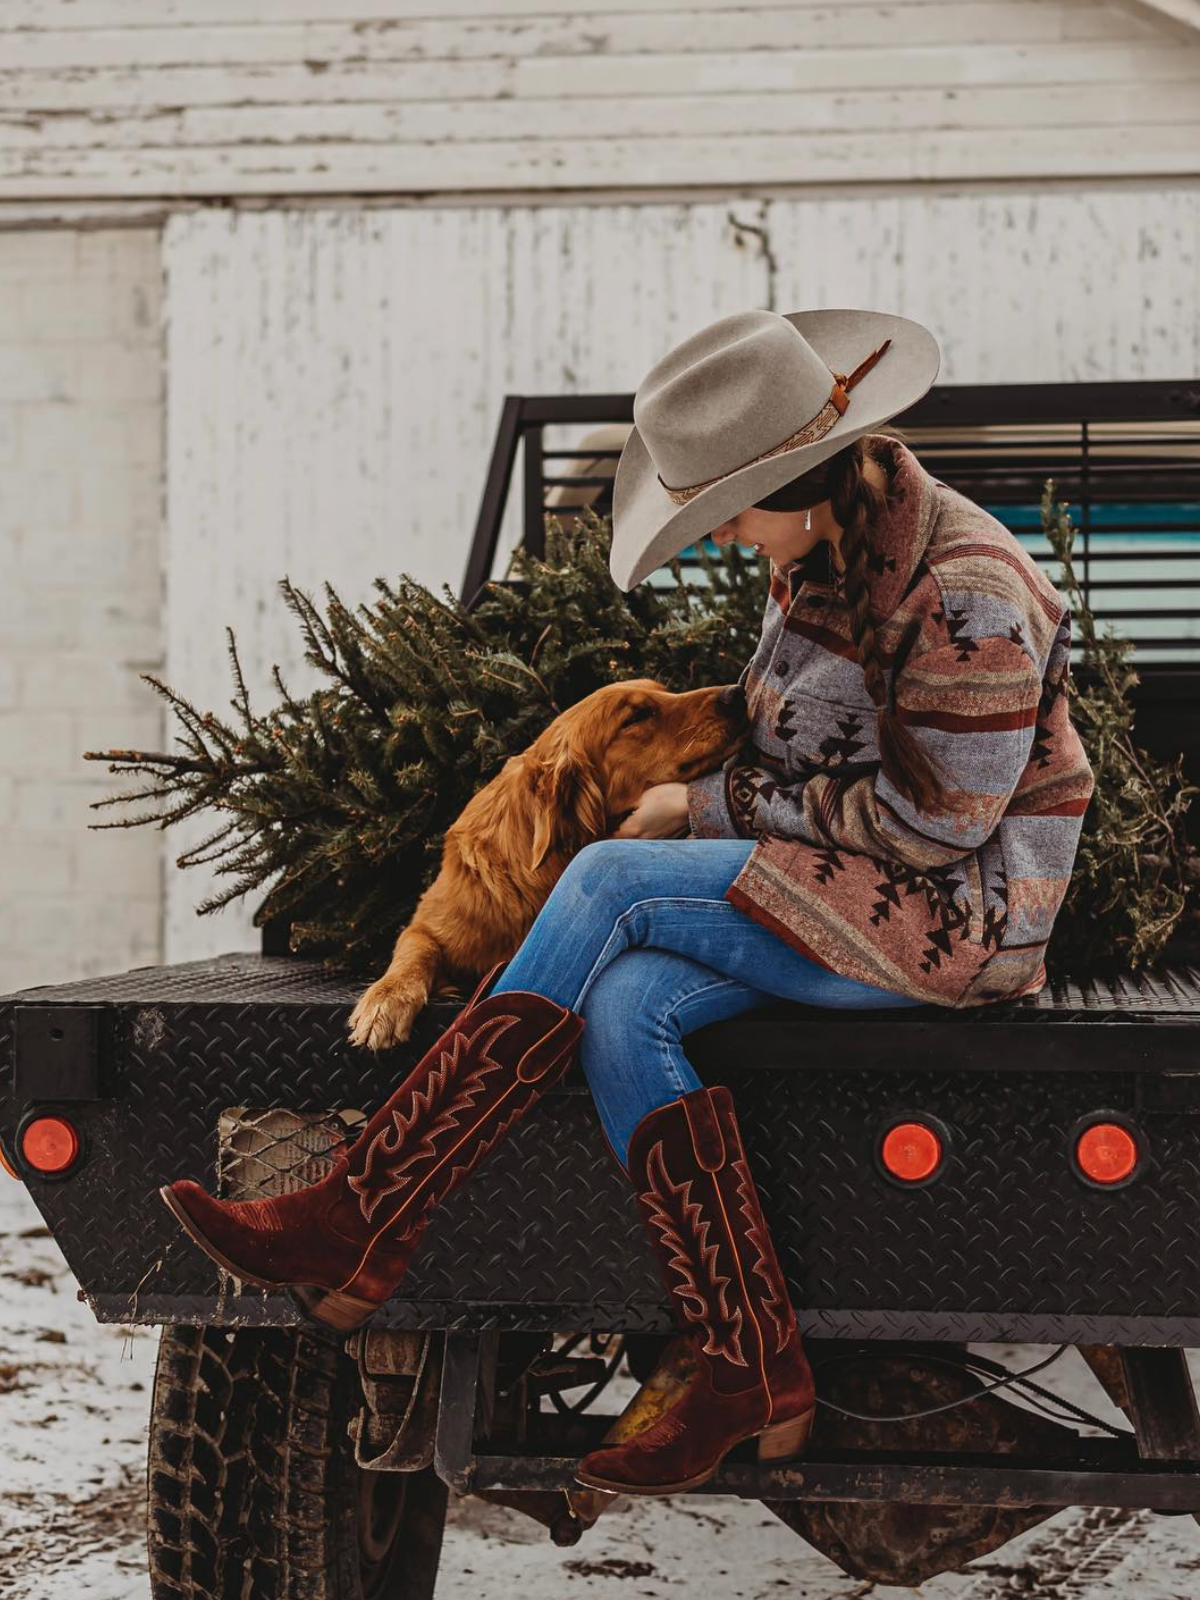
[(637, 937)]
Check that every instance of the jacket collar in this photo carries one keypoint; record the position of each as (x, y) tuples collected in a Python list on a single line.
[(899, 537)]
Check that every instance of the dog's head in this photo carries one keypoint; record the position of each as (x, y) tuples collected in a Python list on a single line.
[(594, 760)]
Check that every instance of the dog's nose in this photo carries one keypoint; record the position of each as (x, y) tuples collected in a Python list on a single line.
[(732, 698)]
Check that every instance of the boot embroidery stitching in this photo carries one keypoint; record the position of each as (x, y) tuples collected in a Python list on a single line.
[(679, 1220), (382, 1174), (475, 1154), (458, 1171), (253, 1214), (775, 1302), (665, 1431), (400, 1229)]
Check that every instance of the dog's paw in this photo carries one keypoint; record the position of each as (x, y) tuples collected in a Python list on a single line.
[(385, 1014)]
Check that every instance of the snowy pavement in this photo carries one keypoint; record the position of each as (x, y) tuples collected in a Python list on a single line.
[(74, 1397)]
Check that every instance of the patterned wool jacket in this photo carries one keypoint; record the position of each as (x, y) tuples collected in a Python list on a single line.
[(952, 907)]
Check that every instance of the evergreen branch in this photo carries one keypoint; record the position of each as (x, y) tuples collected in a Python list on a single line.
[(319, 645), (143, 758), (241, 699), (1132, 880)]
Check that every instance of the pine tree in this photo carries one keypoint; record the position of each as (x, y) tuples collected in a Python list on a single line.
[(1130, 885), (335, 804)]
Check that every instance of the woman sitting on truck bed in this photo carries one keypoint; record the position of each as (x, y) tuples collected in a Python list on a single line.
[(898, 829)]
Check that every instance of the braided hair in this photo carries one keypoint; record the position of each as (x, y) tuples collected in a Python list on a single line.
[(857, 503)]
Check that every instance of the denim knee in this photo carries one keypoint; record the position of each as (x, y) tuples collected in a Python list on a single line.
[(588, 869), (578, 883), (629, 870)]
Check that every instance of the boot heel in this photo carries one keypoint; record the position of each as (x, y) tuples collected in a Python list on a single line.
[(331, 1307), (785, 1439)]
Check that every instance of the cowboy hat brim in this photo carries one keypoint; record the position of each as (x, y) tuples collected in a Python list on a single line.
[(649, 528)]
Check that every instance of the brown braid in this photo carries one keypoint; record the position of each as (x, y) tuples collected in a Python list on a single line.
[(856, 504)]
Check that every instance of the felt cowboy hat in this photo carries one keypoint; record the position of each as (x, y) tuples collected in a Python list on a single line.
[(745, 405)]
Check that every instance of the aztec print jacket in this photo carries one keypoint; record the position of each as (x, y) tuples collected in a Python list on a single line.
[(954, 908)]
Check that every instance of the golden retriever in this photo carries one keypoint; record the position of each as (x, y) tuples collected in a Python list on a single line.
[(506, 850)]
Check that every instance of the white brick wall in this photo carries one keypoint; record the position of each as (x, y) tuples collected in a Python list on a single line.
[(80, 596)]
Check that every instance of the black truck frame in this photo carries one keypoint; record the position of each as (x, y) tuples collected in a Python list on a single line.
[(237, 1071)]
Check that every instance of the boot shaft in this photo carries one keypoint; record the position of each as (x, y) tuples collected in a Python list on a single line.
[(752, 1377), (703, 1214), (498, 1056), (344, 1243)]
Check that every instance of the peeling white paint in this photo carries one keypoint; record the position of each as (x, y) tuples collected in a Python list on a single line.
[(108, 99)]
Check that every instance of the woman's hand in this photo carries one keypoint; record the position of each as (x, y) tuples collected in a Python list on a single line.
[(661, 813)]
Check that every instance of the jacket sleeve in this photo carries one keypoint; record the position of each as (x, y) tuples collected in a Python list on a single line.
[(973, 706), (741, 800), (731, 803)]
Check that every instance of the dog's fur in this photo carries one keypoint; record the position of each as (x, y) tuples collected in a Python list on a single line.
[(506, 850)]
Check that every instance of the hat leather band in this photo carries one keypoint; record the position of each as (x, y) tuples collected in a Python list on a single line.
[(816, 428)]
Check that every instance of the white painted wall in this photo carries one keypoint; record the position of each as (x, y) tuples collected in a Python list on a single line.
[(335, 377), (80, 596), (287, 97)]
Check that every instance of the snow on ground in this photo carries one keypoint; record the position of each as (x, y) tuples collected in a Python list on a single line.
[(74, 1397)]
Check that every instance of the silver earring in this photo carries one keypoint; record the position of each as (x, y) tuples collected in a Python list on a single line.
[(808, 519)]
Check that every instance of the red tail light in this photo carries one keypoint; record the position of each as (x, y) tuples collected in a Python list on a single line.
[(911, 1151), (49, 1144), (1106, 1152)]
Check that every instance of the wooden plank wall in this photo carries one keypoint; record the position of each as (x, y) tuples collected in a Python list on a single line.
[(194, 98), (335, 376)]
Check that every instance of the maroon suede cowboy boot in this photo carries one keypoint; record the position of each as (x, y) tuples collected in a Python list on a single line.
[(702, 1212), (342, 1245)]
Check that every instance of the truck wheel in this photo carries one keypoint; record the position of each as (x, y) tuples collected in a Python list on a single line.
[(252, 1485)]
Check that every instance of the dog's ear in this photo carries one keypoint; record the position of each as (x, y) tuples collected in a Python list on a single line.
[(569, 809)]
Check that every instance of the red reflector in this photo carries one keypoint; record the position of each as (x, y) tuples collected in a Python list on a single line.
[(49, 1144), (7, 1165), (1106, 1152), (911, 1151)]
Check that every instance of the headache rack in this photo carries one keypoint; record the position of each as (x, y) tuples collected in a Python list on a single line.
[(1125, 457)]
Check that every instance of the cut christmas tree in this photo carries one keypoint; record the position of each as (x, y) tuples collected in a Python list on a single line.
[(334, 804)]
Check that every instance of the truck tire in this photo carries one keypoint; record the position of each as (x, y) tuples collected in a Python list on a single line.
[(253, 1492)]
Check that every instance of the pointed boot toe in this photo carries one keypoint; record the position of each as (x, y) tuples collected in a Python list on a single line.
[(342, 1245), (245, 1237)]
